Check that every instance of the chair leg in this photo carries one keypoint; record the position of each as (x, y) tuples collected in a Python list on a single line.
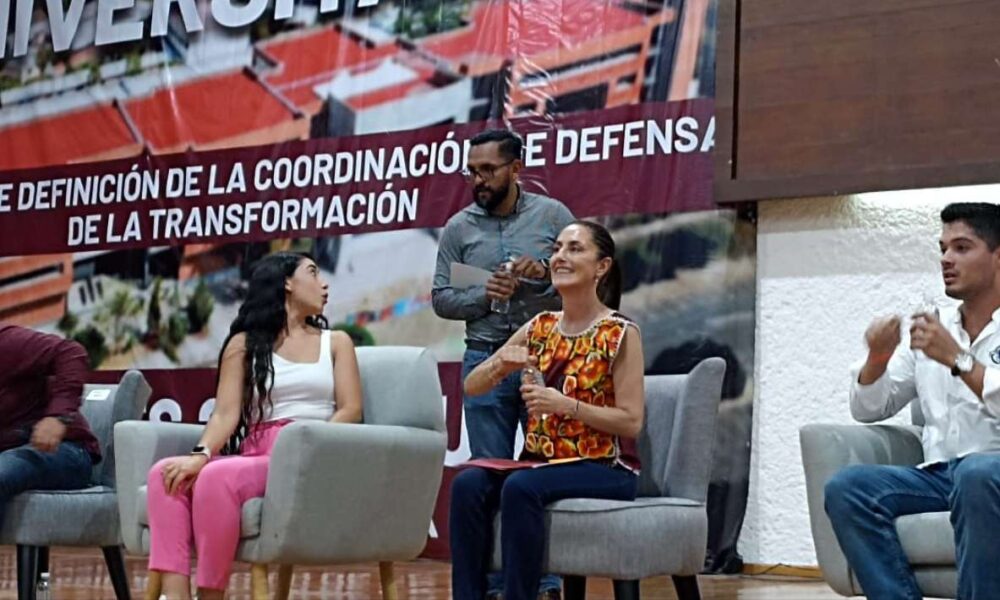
[(574, 587), (27, 571), (626, 589), (687, 587), (43, 560), (115, 561), (154, 585), (284, 582), (258, 582), (388, 578)]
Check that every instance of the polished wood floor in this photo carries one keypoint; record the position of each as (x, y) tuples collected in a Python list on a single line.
[(80, 575)]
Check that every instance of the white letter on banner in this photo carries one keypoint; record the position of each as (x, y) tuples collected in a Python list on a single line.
[(533, 147), (206, 410), (165, 407), (588, 144), (566, 145), (283, 9), (5, 189), (22, 27), (109, 32), (161, 16), (237, 16), (687, 138), (25, 196), (709, 142), (64, 25), (75, 237), (4, 23)]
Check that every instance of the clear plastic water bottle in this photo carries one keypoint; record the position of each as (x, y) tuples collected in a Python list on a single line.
[(535, 376), (502, 305), (42, 590)]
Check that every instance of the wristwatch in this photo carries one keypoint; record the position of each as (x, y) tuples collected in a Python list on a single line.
[(202, 450), (964, 363)]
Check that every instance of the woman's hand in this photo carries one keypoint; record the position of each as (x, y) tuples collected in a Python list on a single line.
[(546, 401), (512, 358), (180, 473)]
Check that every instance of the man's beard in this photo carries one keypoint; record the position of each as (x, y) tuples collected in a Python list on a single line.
[(495, 198)]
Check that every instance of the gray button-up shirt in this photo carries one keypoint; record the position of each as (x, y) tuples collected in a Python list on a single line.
[(475, 237)]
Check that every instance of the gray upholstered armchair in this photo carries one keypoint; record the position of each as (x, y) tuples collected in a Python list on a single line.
[(336, 493), (665, 530), (927, 539), (88, 517)]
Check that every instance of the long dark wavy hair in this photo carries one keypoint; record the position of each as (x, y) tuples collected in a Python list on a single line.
[(262, 318), (609, 288)]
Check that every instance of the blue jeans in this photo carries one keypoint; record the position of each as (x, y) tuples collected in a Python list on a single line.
[(27, 468), (491, 420), (521, 498), (864, 500)]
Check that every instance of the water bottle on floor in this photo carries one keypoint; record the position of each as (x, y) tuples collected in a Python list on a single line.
[(42, 591)]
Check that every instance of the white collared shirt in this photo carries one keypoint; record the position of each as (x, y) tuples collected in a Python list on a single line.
[(957, 422)]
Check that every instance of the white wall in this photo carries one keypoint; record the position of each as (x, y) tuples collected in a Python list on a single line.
[(826, 267)]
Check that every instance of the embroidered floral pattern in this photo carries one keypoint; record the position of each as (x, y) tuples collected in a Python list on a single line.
[(580, 366)]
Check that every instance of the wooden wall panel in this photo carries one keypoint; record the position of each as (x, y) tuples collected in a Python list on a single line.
[(817, 98)]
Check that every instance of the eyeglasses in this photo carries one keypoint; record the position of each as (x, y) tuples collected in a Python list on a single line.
[(485, 172)]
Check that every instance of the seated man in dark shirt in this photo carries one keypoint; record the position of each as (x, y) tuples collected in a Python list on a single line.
[(45, 443)]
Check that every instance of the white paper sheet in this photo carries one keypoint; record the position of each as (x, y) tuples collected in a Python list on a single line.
[(463, 276)]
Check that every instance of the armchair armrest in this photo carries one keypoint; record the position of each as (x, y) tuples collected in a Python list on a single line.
[(138, 446), (349, 493), (827, 449)]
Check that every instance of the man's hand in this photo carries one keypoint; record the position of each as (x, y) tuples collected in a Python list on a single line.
[(928, 335), (501, 285), (529, 268), (48, 434), (882, 337)]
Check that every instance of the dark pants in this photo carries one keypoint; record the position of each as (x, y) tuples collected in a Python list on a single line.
[(27, 468), (520, 497), (491, 420)]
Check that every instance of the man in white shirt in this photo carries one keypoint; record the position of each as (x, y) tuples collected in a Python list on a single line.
[(952, 368)]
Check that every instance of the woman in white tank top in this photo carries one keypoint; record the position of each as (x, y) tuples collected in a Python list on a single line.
[(279, 364)]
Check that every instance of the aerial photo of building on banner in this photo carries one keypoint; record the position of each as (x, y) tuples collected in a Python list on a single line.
[(149, 155)]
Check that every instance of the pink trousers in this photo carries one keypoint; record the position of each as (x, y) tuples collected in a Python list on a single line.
[(208, 516)]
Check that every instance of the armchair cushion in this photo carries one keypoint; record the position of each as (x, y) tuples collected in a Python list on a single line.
[(613, 538), (87, 517), (927, 538)]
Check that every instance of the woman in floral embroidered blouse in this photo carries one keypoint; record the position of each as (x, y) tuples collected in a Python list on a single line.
[(584, 419)]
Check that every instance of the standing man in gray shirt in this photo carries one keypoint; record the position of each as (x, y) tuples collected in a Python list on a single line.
[(504, 223)]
